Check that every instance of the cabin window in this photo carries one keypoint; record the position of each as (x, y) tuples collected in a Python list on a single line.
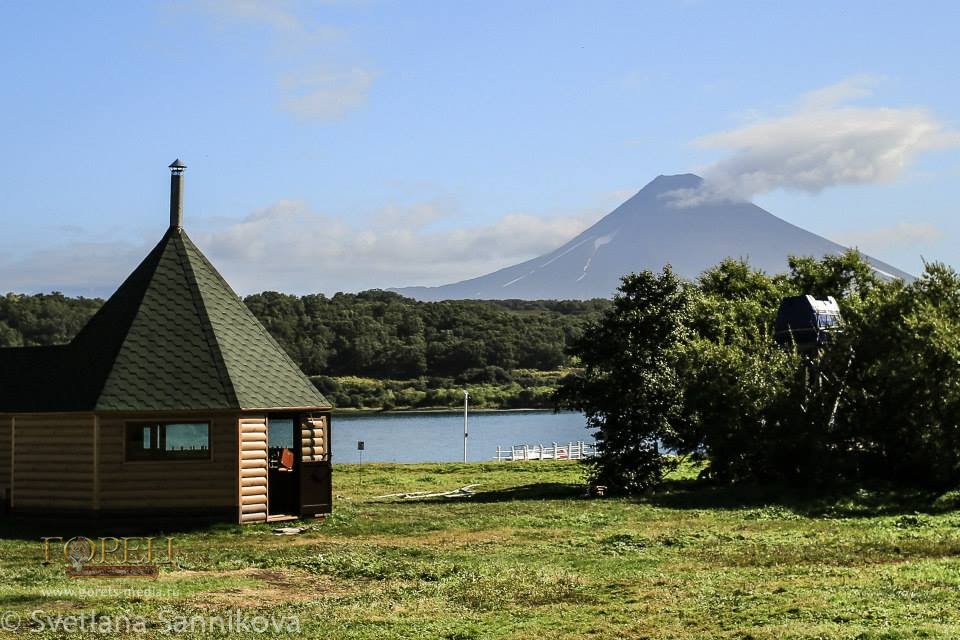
[(827, 320), (168, 441), (280, 442)]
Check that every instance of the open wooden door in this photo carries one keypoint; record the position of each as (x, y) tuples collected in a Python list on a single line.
[(283, 468), (316, 473)]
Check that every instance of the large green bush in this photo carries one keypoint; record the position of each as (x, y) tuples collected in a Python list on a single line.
[(693, 366)]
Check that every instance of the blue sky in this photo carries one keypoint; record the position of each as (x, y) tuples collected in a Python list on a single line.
[(347, 145)]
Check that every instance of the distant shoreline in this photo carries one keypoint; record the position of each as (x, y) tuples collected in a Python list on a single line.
[(346, 411)]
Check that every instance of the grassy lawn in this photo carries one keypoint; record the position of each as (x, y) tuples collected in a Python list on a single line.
[(529, 558)]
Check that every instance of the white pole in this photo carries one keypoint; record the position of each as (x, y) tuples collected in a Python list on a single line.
[(466, 398)]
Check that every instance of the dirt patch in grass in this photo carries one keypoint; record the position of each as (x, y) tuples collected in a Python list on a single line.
[(258, 587), (447, 538)]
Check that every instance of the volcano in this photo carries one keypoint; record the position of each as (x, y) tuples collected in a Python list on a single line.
[(648, 231)]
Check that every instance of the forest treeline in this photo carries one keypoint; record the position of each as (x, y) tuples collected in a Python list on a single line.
[(489, 388), (43, 319), (385, 335), (374, 334)]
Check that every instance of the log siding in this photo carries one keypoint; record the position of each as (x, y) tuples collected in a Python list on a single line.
[(314, 440), (252, 458), (6, 455), (53, 462), (164, 485)]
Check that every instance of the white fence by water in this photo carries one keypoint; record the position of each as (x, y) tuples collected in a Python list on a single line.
[(570, 451)]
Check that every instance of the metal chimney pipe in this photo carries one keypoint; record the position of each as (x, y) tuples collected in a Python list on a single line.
[(176, 194)]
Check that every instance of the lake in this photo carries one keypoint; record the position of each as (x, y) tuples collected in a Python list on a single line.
[(438, 437)]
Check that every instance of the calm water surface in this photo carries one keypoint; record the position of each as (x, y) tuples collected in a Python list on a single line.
[(438, 437)]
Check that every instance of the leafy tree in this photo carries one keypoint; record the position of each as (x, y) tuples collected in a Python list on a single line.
[(42, 319), (9, 337), (844, 276), (760, 412), (902, 405), (630, 391), (694, 367)]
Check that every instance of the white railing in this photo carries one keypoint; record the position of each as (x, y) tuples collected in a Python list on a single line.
[(570, 451)]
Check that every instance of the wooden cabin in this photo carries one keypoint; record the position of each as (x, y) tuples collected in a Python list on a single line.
[(172, 402)]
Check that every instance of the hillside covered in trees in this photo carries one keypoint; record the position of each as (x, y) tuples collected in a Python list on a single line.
[(384, 335), (378, 349), (43, 319)]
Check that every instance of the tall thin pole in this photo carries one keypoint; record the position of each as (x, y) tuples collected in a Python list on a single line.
[(176, 194), (466, 398), (361, 445)]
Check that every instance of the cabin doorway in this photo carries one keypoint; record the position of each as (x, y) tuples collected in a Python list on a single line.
[(283, 497), (316, 478), (299, 472)]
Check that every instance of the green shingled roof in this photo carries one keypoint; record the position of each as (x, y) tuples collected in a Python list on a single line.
[(173, 337)]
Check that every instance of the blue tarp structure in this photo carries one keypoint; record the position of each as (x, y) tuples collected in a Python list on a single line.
[(807, 321)]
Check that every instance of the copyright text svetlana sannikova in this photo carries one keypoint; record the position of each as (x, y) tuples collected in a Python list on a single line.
[(234, 621)]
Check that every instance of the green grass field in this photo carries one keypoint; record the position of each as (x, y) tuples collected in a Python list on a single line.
[(529, 558)]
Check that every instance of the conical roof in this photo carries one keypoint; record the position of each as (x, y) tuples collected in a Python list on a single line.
[(174, 337)]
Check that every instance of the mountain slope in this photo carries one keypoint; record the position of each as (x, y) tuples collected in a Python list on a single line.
[(647, 232)]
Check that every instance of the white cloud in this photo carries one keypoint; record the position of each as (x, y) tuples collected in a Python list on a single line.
[(309, 92), (79, 268), (847, 90), (904, 235), (290, 247), (325, 95), (821, 144), (415, 216), (276, 14)]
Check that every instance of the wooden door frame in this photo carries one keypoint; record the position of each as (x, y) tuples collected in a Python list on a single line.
[(296, 417)]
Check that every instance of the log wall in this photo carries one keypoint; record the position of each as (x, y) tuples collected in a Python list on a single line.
[(167, 484), (52, 462), (314, 439), (253, 487), (6, 427)]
